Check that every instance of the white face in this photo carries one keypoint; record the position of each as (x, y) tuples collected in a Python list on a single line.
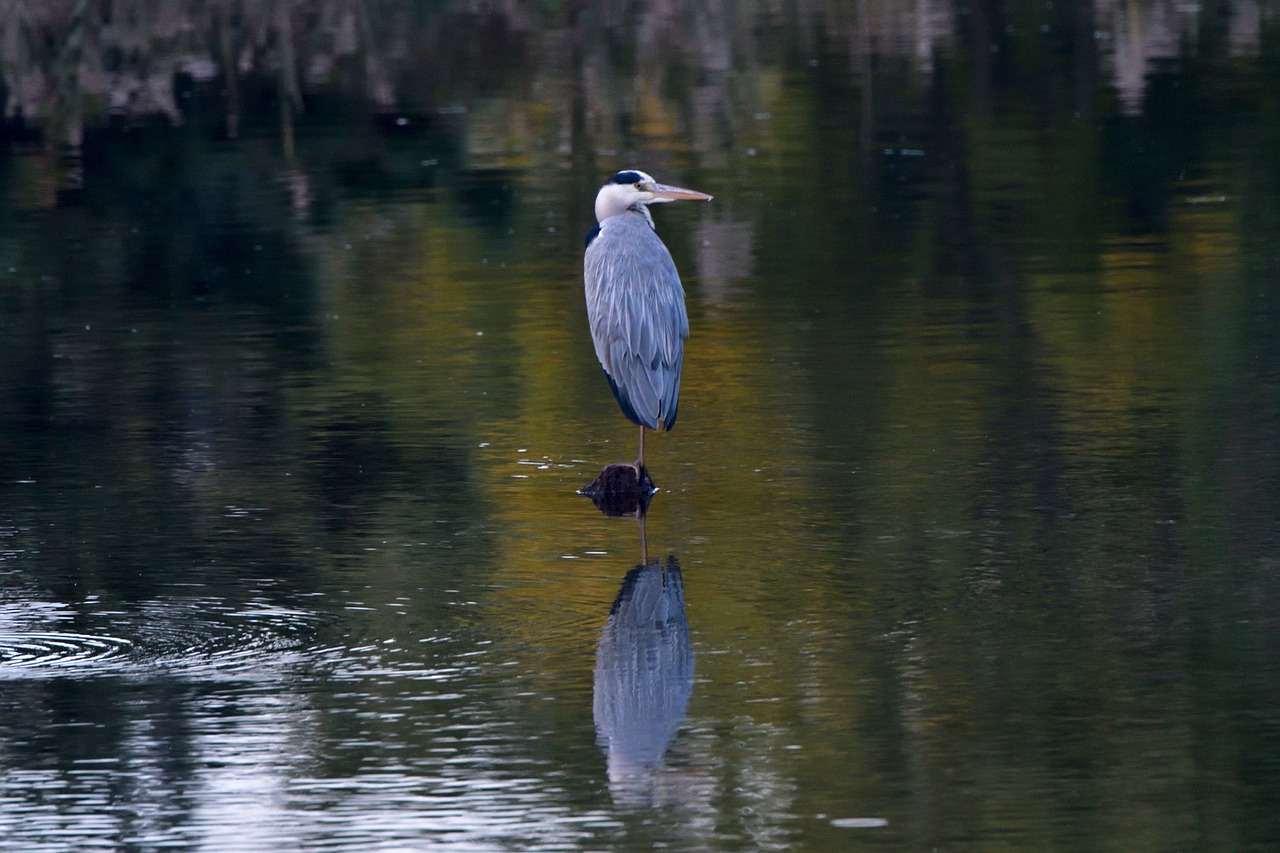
[(615, 198), (632, 187)]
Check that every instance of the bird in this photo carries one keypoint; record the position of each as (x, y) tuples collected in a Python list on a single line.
[(635, 302)]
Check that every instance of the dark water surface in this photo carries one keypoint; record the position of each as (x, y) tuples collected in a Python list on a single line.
[(968, 537)]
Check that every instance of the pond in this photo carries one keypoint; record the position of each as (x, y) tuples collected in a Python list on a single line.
[(968, 536)]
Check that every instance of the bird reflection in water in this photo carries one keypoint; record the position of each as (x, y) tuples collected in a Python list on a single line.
[(643, 677)]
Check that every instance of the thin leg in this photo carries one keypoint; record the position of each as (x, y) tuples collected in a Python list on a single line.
[(640, 458)]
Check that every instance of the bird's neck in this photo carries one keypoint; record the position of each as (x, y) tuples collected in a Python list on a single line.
[(643, 210)]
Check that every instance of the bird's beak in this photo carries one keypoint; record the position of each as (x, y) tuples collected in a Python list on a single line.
[(662, 192)]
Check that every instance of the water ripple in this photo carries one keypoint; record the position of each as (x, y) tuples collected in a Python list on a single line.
[(57, 648), (193, 635)]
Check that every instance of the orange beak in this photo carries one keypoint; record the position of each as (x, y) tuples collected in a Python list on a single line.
[(666, 193)]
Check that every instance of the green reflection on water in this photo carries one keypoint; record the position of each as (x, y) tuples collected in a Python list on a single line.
[(973, 489)]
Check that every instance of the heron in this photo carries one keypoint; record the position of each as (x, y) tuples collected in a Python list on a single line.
[(635, 303)]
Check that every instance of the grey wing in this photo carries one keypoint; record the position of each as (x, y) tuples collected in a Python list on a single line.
[(635, 305)]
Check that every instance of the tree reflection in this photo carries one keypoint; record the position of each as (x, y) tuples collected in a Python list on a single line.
[(589, 78)]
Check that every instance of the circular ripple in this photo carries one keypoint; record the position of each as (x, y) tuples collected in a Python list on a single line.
[(193, 635), (58, 648)]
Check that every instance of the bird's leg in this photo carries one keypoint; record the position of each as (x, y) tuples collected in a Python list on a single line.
[(642, 474)]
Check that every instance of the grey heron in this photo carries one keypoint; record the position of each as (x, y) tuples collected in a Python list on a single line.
[(635, 303)]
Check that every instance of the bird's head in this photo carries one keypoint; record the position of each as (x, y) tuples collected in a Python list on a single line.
[(632, 189)]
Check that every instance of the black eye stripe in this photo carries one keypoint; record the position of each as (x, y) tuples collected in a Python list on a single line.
[(627, 178)]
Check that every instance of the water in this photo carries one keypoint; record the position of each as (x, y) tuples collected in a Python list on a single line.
[(967, 537)]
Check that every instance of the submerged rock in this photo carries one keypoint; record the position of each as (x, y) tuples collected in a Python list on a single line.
[(621, 489)]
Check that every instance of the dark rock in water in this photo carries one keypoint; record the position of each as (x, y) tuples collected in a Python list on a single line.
[(621, 478), (621, 489)]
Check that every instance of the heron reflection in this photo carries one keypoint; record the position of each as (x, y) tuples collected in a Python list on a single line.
[(643, 678)]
